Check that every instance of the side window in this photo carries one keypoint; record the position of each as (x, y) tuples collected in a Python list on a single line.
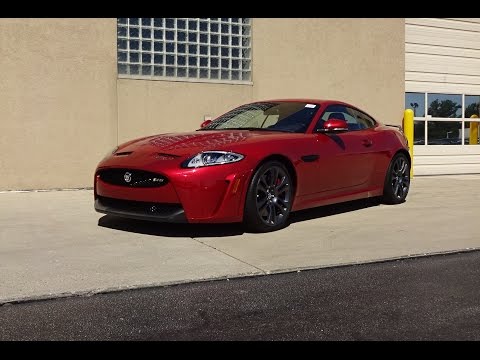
[(340, 112), (363, 120)]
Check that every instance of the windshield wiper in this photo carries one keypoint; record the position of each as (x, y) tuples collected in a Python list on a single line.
[(255, 129), (245, 128), (248, 128)]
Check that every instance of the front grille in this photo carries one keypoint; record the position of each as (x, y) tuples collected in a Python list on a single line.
[(132, 178), (140, 207)]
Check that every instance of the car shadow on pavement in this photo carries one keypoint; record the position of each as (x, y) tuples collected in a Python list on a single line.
[(334, 209), (170, 230), (223, 230)]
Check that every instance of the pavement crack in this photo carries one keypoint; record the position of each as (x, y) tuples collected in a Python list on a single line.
[(233, 257)]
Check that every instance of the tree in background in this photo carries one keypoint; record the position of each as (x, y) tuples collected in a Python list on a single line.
[(472, 109), (444, 109), (444, 133), (414, 106)]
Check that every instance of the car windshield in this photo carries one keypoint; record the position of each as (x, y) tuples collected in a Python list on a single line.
[(269, 116)]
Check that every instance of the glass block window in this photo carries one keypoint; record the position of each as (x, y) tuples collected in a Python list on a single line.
[(185, 48)]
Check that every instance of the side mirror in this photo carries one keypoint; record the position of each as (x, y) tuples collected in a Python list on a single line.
[(205, 123), (334, 125)]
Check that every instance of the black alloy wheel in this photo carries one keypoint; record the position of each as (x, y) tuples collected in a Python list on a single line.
[(397, 181), (269, 198)]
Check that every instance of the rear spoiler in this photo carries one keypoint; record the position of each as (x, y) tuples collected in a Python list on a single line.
[(395, 126)]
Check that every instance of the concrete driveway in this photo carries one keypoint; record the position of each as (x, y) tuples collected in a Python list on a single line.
[(54, 244)]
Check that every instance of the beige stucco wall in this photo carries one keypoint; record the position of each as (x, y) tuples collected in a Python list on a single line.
[(148, 107), (361, 61), (62, 106), (58, 100)]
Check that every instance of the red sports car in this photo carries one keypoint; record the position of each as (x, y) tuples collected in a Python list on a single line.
[(256, 164)]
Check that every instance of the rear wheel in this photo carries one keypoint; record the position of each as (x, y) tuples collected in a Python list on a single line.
[(269, 198), (397, 181)]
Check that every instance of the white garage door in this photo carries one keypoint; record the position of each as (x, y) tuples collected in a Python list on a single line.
[(442, 85)]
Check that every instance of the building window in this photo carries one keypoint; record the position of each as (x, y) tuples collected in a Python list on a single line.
[(450, 119), (416, 102), (472, 104), (444, 105), (217, 49)]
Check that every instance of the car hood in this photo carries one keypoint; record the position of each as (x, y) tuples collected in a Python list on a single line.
[(189, 143)]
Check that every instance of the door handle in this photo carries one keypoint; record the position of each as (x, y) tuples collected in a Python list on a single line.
[(367, 142)]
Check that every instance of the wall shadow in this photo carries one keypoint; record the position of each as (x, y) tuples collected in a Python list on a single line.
[(224, 230)]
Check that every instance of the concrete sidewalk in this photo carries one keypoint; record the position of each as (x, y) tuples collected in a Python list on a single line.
[(55, 244)]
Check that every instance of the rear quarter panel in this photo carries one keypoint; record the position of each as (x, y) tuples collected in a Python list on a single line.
[(389, 141)]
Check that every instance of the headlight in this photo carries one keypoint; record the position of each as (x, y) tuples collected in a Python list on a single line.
[(208, 158)]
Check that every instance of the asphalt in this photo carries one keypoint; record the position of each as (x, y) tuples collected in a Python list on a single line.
[(54, 244), (430, 298)]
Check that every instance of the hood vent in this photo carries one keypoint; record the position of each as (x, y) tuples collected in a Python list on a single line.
[(162, 156), (124, 153)]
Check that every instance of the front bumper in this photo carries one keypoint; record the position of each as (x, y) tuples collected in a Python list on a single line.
[(204, 195), (141, 210)]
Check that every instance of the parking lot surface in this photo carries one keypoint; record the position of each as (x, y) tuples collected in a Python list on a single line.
[(54, 244)]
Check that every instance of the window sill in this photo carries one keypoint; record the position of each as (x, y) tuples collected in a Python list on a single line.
[(175, 79)]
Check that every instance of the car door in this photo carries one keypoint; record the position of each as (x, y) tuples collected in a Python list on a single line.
[(345, 159), (375, 149)]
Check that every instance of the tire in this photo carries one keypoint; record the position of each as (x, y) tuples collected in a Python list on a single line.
[(269, 198), (397, 180)]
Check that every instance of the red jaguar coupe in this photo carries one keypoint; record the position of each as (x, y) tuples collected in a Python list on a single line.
[(256, 164)]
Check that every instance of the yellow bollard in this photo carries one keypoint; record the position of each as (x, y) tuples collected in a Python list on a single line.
[(408, 131), (473, 131)]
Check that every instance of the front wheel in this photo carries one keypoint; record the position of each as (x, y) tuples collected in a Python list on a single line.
[(269, 198), (397, 180)]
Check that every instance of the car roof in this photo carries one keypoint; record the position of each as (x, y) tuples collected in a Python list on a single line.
[(325, 102), (309, 100)]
